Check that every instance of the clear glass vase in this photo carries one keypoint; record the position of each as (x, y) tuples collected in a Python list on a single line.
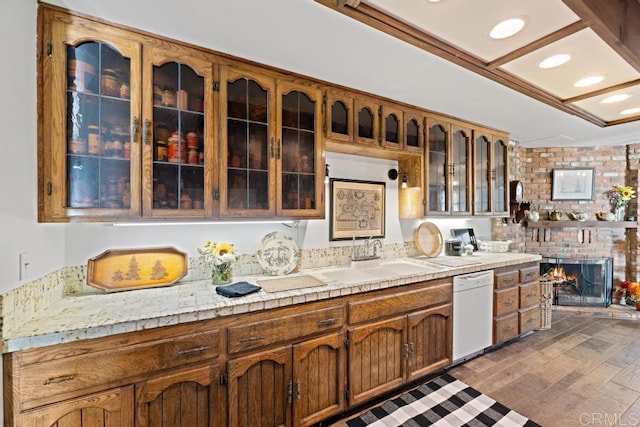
[(221, 274), (619, 212)]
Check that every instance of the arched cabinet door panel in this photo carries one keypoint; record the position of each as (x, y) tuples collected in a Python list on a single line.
[(178, 134)]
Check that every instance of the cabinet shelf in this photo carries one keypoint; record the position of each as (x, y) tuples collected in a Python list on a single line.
[(582, 224)]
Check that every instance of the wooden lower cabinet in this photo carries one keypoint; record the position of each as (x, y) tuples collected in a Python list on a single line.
[(294, 385), (430, 341), (387, 354), (293, 366), (186, 397), (376, 359), (111, 408), (516, 301)]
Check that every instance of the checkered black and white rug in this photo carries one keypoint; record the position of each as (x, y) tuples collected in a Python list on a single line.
[(444, 401)]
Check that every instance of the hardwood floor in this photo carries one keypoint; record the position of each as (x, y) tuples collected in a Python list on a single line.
[(584, 371)]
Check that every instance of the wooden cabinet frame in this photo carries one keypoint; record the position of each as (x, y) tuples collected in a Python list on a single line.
[(454, 187), (491, 152), (346, 99), (396, 114), (373, 107)]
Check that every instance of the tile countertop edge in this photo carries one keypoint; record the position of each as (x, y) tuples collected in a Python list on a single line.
[(36, 332)]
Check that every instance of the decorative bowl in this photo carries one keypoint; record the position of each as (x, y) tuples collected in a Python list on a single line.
[(581, 216)]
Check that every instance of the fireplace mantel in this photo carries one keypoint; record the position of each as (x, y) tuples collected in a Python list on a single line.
[(582, 224)]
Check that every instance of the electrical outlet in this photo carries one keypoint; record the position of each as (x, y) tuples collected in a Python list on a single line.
[(25, 265)]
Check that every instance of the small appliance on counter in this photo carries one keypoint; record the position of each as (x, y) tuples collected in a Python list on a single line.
[(466, 235), (453, 247)]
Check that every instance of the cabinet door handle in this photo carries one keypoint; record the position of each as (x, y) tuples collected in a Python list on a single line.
[(250, 339), (297, 389), (145, 131), (193, 350), (57, 380), (134, 130), (272, 144), (328, 322), (411, 349), (278, 148)]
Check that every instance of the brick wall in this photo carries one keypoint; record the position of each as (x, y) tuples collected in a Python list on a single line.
[(613, 166)]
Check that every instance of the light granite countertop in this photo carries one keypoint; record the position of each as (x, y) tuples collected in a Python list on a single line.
[(83, 316)]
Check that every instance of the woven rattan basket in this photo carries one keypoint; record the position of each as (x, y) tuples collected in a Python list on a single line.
[(546, 302)]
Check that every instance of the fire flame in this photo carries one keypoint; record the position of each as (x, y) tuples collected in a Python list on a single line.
[(558, 274)]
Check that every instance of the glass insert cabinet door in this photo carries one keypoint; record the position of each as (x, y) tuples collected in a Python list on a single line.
[(248, 145), (178, 138), (177, 134), (482, 149), (460, 167), (438, 171), (98, 132), (499, 174), (299, 156), (100, 142)]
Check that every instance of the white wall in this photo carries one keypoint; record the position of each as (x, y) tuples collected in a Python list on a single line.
[(86, 240), (52, 246), (19, 230)]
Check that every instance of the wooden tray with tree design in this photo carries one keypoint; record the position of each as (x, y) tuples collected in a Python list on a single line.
[(127, 269)]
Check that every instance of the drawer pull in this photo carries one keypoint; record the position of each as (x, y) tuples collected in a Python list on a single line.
[(193, 350), (531, 295), (533, 319), (328, 322), (509, 329), (509, 302), (250, 339), (58, 380)]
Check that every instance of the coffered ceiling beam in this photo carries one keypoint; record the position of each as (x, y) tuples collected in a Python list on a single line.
[(409, 34)]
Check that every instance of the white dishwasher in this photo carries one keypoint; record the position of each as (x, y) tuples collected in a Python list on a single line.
[(472, 314)]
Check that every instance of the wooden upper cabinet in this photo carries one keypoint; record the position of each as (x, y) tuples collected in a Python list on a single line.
[(491, 168), (367, 121), (448, 166), (500, 174), (392, 128), (482, 172), (414, 132), (248, 143), (89, 143), (461, 167), (339, 116), (299, 151), (179, 162), (438, 172)]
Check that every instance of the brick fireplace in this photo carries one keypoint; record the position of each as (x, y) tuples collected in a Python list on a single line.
[(572, 239), (583, 282)]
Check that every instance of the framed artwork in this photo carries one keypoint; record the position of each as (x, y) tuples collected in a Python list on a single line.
[(357, 209), (573, 184)]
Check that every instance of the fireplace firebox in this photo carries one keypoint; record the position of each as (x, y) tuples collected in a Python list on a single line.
[(583, 282)]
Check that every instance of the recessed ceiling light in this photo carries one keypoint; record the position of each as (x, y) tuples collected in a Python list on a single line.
[(555, 61), (507, 28), (588, 81), (616, 98), (635, 110)]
